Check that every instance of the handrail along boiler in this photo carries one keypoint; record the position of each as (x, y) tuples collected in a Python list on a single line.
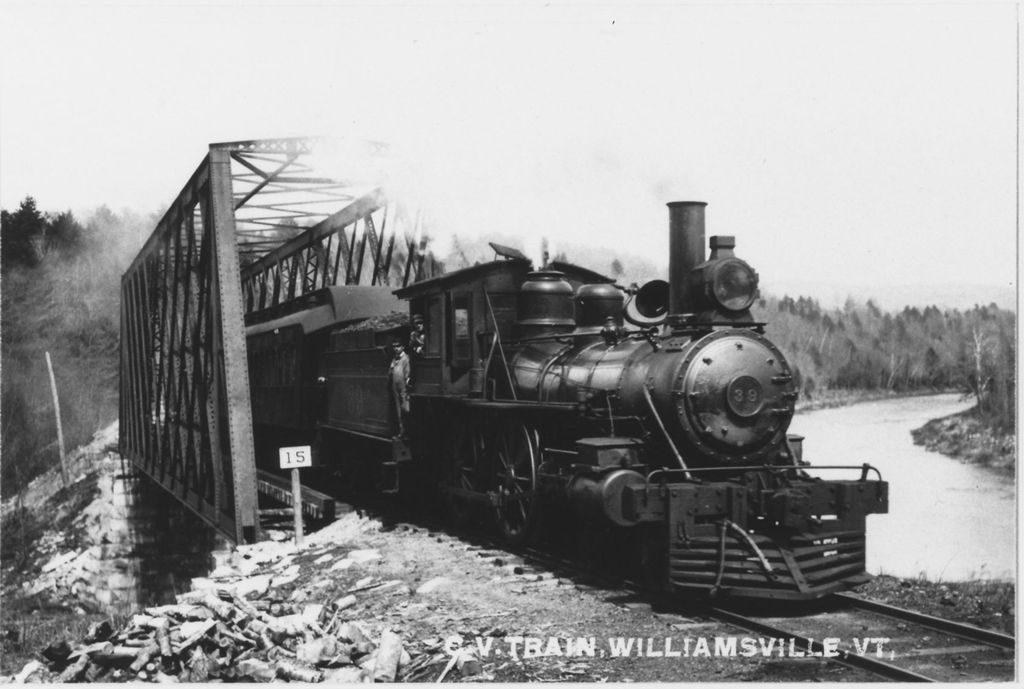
[(659, 415)]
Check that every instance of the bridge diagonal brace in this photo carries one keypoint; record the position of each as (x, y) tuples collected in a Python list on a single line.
[(267, 177)]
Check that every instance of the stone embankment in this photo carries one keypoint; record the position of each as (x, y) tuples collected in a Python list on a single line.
[(104, 538)]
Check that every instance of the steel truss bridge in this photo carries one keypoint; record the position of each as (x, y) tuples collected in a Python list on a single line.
[(258, 223)]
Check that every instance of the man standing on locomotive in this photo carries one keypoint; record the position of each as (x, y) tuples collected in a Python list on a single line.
[(398, 377), (417, 338)]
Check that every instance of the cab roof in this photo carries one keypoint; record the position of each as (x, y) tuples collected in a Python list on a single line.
[(573, 273)]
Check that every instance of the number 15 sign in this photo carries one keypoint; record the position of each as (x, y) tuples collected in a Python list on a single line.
[(296, 457)]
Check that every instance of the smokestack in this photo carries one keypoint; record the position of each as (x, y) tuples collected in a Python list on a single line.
[(685, 252)]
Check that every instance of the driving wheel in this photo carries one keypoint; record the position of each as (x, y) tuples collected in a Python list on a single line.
[(464, 450), (515, 451)]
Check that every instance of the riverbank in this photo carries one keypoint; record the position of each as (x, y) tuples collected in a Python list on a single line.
[(965, 436)]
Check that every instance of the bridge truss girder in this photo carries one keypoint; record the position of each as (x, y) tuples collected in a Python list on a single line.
[(184, 405), (256, 224), (356, 246)]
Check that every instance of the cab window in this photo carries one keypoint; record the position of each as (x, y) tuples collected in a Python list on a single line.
[(461, 328), (432, 324)]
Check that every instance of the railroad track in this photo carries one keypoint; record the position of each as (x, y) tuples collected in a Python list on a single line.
[(889, 642), (962, 630)]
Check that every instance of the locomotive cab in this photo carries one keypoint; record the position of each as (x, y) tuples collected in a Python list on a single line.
[(463, 313), (468, 314)]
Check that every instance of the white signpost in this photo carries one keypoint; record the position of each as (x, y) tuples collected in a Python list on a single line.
[(296, 458)]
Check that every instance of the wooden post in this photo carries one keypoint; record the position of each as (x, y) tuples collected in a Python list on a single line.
[(60, 430), (293, 458), (297, 505)]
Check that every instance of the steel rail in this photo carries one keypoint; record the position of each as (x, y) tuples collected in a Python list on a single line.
[(859, 662), (960, 629)]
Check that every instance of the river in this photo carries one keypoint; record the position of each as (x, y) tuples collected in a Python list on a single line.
[(947, 520)]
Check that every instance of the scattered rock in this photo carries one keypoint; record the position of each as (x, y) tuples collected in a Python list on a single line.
[(345, 602), (59, 559), (256, 586), (433, 585), (287, 576), (363, 556)]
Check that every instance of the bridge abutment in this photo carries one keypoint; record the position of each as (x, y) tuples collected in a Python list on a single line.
[(145, 546)]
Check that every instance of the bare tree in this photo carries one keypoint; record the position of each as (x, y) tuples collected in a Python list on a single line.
[(979, 348)]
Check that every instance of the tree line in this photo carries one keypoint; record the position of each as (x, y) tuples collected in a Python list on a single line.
[(61, 294), (862, 347)]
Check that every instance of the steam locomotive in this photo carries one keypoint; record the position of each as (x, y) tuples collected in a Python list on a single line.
[(656, 416)]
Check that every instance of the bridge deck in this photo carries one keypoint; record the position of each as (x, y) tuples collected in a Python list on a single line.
[(315, 504)]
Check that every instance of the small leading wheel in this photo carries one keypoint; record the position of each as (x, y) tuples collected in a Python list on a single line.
[(515, 451), (462, 463)]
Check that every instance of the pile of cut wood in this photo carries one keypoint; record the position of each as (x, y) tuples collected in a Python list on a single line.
[(218, 635)]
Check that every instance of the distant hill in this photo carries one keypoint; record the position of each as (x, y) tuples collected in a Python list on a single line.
[(894, 298)]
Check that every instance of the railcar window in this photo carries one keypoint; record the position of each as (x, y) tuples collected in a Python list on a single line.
[(462, 345), (433, 327), (461, 324)]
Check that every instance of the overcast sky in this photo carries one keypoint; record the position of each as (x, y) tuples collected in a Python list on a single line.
[(857, 142)]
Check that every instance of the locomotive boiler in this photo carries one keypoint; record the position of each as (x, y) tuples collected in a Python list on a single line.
[(657, 416)]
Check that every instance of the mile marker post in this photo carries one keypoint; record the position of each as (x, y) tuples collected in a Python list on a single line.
[(294, 458)]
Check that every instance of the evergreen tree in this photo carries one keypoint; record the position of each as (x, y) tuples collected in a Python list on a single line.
[(64, 233), (23, 233)]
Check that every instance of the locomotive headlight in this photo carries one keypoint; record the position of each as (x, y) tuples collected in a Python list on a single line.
[(732, 284)]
